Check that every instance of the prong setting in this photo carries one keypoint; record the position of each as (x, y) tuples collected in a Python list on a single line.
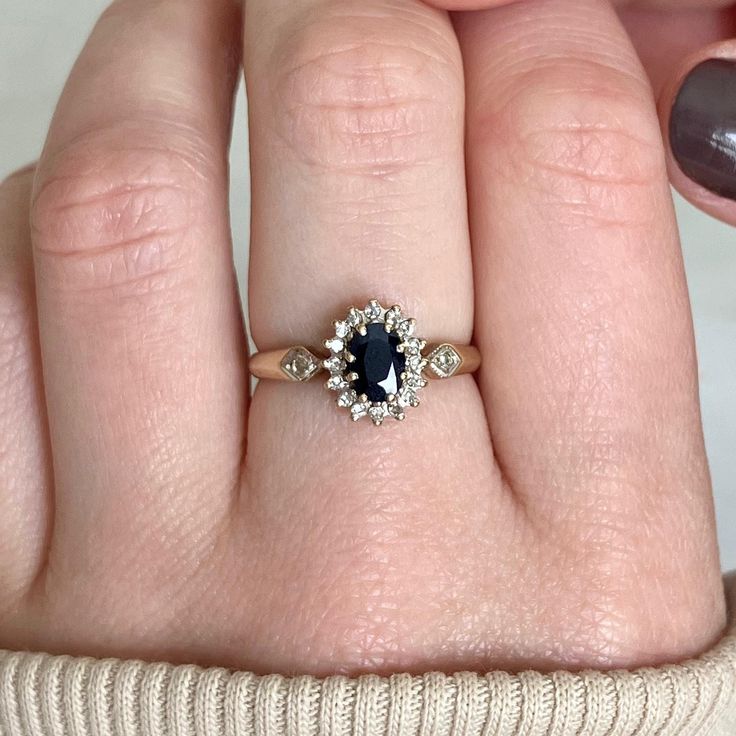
[(343, 377)]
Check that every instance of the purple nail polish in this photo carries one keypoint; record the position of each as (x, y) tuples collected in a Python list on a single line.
[(703, 126)]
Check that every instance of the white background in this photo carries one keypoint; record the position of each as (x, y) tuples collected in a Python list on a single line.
[(38, 43)]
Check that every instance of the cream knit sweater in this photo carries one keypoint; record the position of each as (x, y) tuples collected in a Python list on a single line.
[(41, 695)]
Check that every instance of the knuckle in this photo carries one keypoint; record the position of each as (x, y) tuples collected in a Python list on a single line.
[(586, 143), (352, 94), (109, 214), (19, 177)]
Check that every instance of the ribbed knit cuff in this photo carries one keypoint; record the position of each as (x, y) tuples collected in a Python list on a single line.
[(43, 695)]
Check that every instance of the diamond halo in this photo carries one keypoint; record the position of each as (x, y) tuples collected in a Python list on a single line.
[(342, 379)]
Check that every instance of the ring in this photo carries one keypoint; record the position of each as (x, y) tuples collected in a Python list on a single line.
[(377, 364)]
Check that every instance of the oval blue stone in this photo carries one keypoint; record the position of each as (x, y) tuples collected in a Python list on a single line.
[(378, 363)]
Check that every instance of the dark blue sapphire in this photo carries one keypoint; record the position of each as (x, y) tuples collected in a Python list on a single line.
[(378, 363)]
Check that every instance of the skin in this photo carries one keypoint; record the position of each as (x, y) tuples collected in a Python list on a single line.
[(553, 511)]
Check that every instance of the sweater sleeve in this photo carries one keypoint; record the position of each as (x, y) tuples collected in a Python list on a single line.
[(44, 695)]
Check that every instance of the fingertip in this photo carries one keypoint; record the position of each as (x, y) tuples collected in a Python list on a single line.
[(698, 117)]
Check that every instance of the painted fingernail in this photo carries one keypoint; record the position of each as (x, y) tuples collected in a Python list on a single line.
[(703, 126)]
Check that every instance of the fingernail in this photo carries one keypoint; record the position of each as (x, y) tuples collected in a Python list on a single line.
[(703, 126)]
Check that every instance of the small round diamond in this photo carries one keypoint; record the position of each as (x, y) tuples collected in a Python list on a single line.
[(372, 310), (347, 398), (335, 345), (355, 317), (414, 380), (392, 317), (405, 328), (342, 329), (396, 410), (416, 362), (377, 413), (414, 344), (359, 409), (336, 382), (335, 363), (408, 397)]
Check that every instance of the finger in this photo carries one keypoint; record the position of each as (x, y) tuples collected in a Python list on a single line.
[(663, 35), (139, 320), (636, 4), (698, 113), (674, 4), (660, 29), (358, 190), (362, 142), (582, 310), (25, 485)]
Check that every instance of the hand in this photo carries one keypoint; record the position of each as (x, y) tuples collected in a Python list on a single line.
[(557, 512)]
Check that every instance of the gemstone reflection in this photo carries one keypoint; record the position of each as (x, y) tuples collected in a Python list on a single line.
[(378, 362)]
